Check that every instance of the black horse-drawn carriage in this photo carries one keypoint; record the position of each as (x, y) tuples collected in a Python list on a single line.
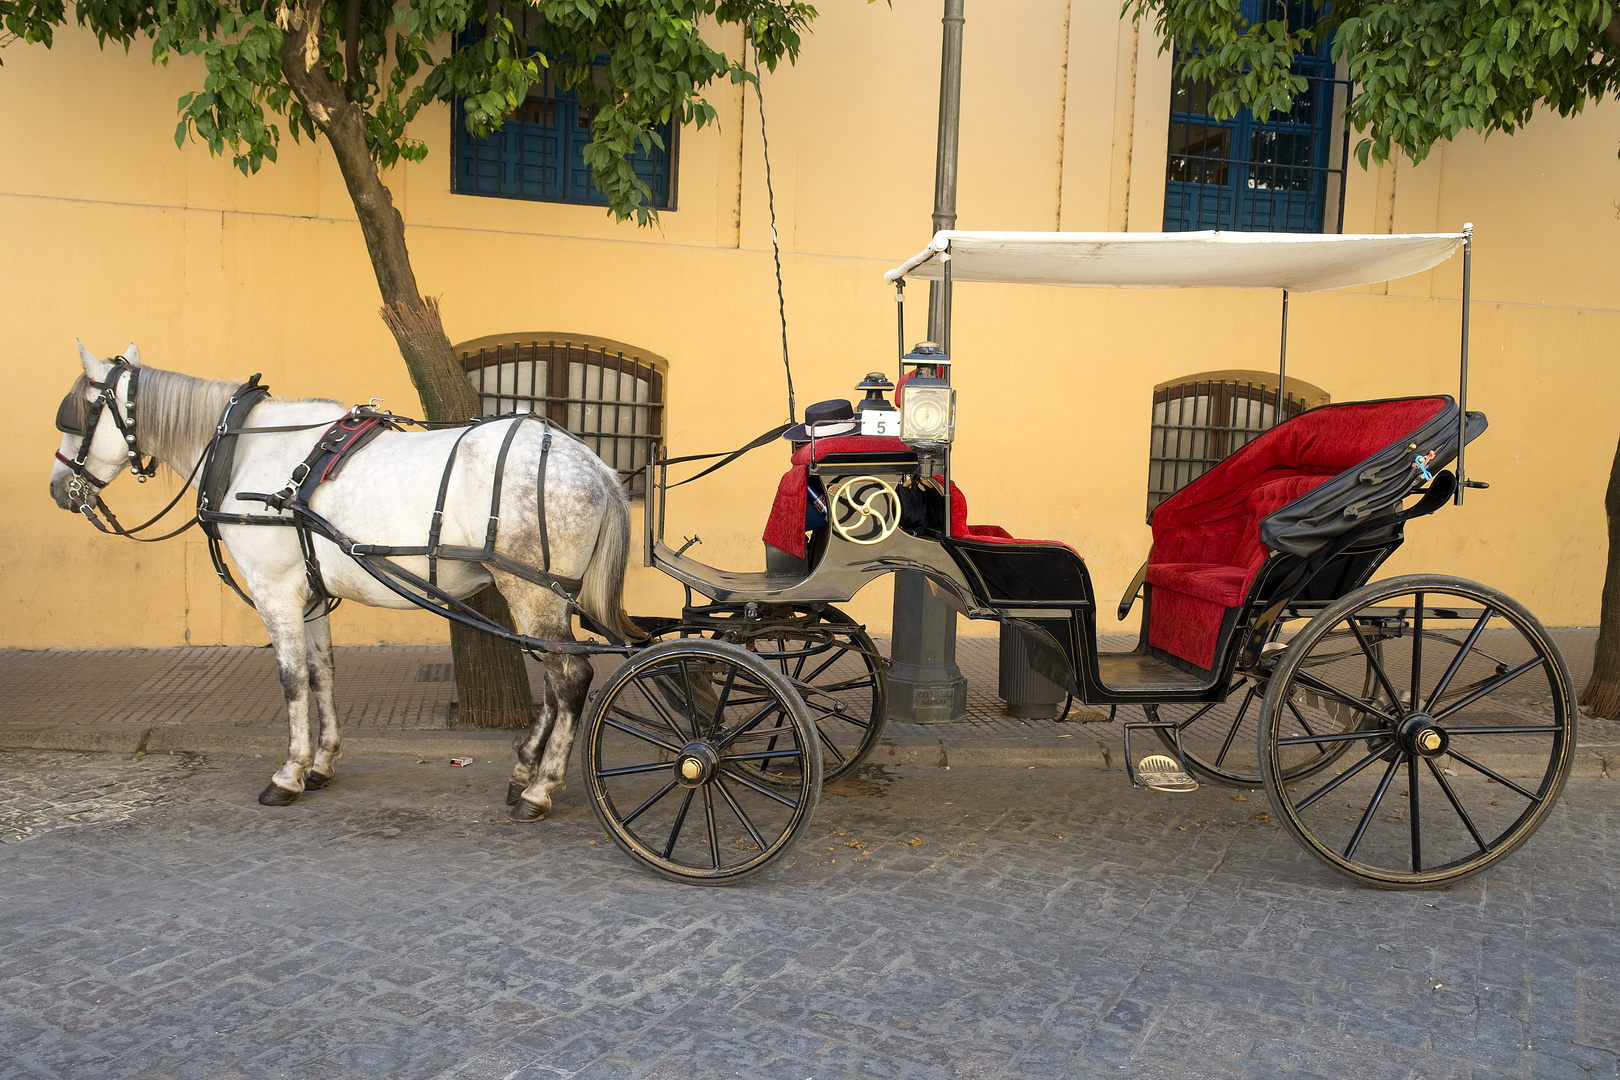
[(1409, 731)]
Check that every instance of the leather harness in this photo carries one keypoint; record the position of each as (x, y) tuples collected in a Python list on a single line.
[(332, 450)]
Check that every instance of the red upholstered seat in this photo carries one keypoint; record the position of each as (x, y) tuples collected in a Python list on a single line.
[(1206, 537)]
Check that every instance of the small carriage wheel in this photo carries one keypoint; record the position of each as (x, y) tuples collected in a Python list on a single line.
[(1469, 731), (839, 674), (671, 745), (1218, 738)]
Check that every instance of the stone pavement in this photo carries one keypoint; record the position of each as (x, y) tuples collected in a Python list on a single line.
[(982, 922), (399, 701)]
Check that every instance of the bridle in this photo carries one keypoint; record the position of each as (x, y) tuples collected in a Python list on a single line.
[(84, 487)]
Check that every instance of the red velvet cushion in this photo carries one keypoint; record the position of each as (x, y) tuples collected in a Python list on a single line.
[(1224, 585), (1206, 537)]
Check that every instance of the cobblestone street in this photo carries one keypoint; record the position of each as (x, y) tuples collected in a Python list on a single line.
[(972, 922)]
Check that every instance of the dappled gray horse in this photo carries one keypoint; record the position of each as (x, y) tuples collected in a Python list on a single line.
[(384, 495)]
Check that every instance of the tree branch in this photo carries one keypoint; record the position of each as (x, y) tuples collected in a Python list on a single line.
[(344, 125)]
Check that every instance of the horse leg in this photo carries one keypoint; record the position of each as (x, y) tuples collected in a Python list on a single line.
[(568, 678), (318, 640), (543, 751), (286, 626), (532, 741)]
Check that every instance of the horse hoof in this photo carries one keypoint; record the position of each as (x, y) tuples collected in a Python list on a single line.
[(528, 811), (277, 796), (514, 792), (314, 781)]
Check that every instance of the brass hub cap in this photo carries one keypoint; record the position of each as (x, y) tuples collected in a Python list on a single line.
[(1420, 735), (696, 765)]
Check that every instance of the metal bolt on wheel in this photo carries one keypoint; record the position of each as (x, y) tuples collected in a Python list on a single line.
[(672, 753), (1452, 757)]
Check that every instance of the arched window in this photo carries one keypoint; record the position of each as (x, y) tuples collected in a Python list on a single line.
[(609, 393), (1201, 419)]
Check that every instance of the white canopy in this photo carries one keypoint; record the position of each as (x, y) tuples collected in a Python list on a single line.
[(1187, 260)]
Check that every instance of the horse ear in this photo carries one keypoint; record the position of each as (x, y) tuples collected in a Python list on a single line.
[(96, 369), (133, 355)]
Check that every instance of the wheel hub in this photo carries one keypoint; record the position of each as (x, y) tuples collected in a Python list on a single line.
[(1420, 735), (696, 765)]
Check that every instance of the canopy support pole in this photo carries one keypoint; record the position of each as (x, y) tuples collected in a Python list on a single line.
[(900, 318), (1462, 381), (1277, 416)]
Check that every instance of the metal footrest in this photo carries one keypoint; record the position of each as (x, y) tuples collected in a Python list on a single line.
[(1158, 771)]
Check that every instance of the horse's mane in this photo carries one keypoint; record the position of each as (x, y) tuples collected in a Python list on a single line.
[(176, 414)]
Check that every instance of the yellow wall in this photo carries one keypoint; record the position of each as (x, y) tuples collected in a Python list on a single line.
[(109, 233)]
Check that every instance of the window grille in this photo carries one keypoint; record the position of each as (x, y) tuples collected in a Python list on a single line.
[(1198, 423), (1247, 175), (612, 399), (539, 153)]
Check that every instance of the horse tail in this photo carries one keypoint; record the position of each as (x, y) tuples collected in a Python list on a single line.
[(602, 594)]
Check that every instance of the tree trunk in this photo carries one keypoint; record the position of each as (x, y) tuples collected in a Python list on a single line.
[(1602, 694), (492, 684)]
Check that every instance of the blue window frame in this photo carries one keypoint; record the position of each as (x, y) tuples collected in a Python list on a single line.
[(1247, 175), (539, 154)]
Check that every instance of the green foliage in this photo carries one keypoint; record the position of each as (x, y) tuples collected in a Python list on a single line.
[(411, 53), (1424, 70)]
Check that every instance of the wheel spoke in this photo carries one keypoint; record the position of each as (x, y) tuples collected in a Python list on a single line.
[(1456, 804), (1187, 723), (653, 694), (760, 788), (1537, 730), (637, 733), (680, 819), (1304, 723), (748, 725), (741, 817), (829, 744), (644, 807), (1456, 661), (1372, 805), (631, 770), (768, 755), (1417, 649), (1377, 666), (1358, 704), (1333, 737), (1493, 774), (686, 688), (1412, 807), (714, 833), (1231, 735), (1341, 778), (720, 702), (1490, 687)]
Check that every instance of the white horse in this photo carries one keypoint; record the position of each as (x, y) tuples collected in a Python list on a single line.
[(385, 495)]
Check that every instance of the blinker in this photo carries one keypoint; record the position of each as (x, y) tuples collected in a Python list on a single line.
[(69, 416)]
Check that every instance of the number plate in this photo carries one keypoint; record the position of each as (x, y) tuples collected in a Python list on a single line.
[(880, 422)]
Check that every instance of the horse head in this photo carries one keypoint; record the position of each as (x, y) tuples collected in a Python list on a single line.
[(98, 430)]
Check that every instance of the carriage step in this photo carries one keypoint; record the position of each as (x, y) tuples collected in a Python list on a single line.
[(1163, 774)]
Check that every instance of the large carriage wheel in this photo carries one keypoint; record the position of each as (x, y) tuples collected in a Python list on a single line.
[(1461, 746), (1219, 739), (673, 746), (839, 673)]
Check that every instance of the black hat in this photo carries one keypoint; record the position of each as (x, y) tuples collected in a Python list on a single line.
[(829, 418)]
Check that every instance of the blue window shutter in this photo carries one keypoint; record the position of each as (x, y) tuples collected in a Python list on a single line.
[(1246, 175)]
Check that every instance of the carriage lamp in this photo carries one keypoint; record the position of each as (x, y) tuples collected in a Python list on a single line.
[(874, 386), (928, 404)]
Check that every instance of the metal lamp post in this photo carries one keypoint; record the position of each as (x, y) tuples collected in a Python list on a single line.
[(925, 685)]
